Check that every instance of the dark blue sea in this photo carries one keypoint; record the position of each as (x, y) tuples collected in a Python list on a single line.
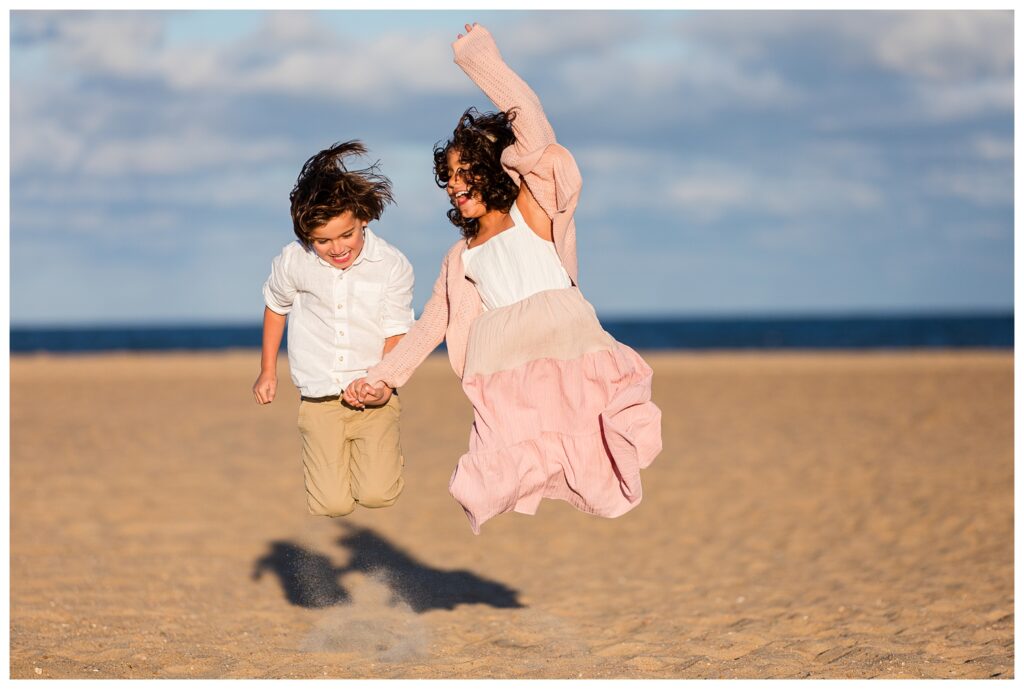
[(817, 332)]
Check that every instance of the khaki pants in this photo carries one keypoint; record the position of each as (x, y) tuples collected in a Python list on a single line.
[(350, 455)]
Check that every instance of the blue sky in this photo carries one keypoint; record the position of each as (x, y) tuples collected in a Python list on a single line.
[(733, 162)]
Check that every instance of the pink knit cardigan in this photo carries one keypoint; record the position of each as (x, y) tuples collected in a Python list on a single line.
[(553, 178)]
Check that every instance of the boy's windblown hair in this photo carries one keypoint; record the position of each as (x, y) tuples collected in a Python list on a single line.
[(479, 139), (326, 188)]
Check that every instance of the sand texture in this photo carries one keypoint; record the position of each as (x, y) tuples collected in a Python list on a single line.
[(812, 515)]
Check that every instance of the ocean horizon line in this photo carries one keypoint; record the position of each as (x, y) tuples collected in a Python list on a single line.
[(825, 331), (603, 316)]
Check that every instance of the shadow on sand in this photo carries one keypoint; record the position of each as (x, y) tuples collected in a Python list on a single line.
[(310, 580)]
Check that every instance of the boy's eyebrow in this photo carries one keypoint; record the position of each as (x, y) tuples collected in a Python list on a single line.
[(340, 234)]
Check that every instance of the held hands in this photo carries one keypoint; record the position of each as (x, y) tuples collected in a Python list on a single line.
[(265, 387), (360, 393), (374, 397)]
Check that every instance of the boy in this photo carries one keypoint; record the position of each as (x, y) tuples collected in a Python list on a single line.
[(347, 295)]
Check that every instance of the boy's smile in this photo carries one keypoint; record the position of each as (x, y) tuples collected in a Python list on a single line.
[(340, 241)]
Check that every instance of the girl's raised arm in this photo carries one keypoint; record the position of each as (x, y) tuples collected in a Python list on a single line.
[(550, 170), (477, 54)]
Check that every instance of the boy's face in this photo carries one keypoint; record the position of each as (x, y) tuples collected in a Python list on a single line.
[(340, 241)]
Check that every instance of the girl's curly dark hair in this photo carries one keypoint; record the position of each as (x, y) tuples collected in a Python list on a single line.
[(479, 139), (326, 188)]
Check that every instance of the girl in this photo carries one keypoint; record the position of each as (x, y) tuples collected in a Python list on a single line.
[(561, 410)]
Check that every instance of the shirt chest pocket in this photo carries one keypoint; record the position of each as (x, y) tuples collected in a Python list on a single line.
[(367, 301)]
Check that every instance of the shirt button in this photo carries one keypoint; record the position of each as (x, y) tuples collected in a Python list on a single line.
[(340, 305), (341, 332), (341, 358)]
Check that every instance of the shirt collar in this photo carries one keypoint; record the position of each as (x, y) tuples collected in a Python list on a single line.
[(371, 249)]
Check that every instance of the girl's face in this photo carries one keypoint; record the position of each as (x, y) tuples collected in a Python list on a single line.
[(458, 188)]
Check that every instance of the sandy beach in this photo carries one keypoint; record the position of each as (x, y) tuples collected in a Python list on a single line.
[(830, 515)]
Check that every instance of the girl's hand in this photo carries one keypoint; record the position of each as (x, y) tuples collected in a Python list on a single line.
[(376, 397), (468, 28), (369, 394)]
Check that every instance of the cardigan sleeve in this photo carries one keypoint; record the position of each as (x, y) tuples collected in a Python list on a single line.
[(426, 334), (477, 54), (549, 169)]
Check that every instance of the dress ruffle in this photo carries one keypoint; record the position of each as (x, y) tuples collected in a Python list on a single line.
[(576, 429)]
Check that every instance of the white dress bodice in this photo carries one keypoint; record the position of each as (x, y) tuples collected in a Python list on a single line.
[(513, 265)]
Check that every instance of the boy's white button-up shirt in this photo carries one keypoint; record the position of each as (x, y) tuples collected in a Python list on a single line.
[(338, 319)]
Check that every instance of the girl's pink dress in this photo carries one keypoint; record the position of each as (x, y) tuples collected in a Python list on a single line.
[(560, 410)]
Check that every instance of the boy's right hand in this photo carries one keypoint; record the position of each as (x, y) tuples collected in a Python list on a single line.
[(265, 388), (351, 394)]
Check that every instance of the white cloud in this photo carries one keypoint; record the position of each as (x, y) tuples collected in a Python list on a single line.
[(44, 143), (989, 147), (565, 34), (293, 55), (644, 85), (114, 44), (168, 154), (985, 187), (837, 178), (51, 227), (951, 102), (216, 190), (290, 54), (945, 45), (942, 45), (956, 64), (708, 195), (49, 145), (709, 191)]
